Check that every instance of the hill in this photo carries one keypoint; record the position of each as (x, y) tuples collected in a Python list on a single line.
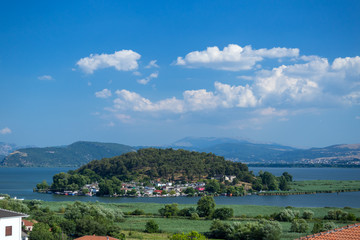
[(75, 154), (171, 164)]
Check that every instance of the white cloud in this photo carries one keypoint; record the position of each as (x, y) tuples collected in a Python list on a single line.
[(5, 131), (348, 64), (233, 57), (224, 96), (124, 60), (46, 78), (146, 80), (235, 96), (152, 64), (105, 93)]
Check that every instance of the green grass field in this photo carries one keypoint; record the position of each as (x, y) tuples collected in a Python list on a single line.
[(243, 213), (325, 185)]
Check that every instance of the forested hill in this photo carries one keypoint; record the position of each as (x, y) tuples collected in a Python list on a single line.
[(167, 164), (75, 154)]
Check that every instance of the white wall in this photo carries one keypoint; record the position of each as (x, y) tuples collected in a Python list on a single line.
[(15, 222)]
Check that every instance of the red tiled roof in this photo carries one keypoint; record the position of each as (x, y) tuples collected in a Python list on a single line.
[(27, 223), (95, 238), (350, 232)]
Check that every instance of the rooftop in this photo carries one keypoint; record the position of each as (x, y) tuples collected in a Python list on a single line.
[(7, 213), (349, 232)]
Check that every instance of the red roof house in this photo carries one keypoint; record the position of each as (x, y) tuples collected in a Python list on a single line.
[(349, 232)]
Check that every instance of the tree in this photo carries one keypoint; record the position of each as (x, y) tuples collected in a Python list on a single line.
[(190, 191), (308, 214), (299, 225), (223, 213), (191, 235), (212, 186), (41, 231), (205, 206), (152, 227), (283, 184), (169, 210)]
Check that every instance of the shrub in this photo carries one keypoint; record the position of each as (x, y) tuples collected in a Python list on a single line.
[(186, 212), (191, 235), (263, 229), (307, 214), (299, 225), (287, 215), (152, 227), (138, 212), (194, 216), (223, 213), (169, 210)]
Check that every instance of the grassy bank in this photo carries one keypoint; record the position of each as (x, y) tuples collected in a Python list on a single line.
[(318, 186)]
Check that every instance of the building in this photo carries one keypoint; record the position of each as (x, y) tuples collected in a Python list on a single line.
[(10, 225), (88, 237), (349, 232)]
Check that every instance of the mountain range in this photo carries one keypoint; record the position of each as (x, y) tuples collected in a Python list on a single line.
[(80, 153)]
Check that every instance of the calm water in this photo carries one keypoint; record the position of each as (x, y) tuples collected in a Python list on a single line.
[(19, 182)]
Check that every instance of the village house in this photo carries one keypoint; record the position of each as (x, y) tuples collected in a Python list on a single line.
[(10, 225)]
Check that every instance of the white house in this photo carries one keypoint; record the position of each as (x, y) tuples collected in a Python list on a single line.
[(10, 225)]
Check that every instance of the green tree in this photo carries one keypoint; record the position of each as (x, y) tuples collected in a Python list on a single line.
[(191, 235), (169, 210), (41, 231), (299, 225), (205, 206), (223, 213), (212, 186), (152, 227)]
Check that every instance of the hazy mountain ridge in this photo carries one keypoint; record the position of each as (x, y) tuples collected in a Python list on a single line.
[(240, 150), (74, 154)]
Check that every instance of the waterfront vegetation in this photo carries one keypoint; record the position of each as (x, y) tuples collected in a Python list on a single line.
[(129, 220)]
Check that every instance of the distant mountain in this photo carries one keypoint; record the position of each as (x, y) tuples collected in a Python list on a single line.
[(267, 153), (7, 148), (75, 154), (234, 149)]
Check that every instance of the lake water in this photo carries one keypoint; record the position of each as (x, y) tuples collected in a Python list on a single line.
[(19, 182)]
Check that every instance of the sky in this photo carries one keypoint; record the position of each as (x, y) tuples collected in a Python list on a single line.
[(153, 72)]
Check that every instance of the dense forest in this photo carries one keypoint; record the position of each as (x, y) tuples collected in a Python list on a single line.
[(168, 164)]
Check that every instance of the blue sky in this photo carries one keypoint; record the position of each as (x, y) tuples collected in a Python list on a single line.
[(152, 72)]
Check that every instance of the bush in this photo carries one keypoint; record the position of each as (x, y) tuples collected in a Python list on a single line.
[(299, 225), (194, 216), (263, 229), (307, 214), (187, 212), (336, 215), (223, 213), (191, 235), (138, 212), (152, 227), (321, 227), (169, 210), (287, 215)]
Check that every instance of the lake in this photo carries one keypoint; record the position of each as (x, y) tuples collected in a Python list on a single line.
[(19, 182)]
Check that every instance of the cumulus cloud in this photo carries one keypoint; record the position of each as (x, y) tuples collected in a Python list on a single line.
[(124, 60), (233, 57), (5, 131), (146, 80), (105, 93), (45, 78), (224, 96)]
